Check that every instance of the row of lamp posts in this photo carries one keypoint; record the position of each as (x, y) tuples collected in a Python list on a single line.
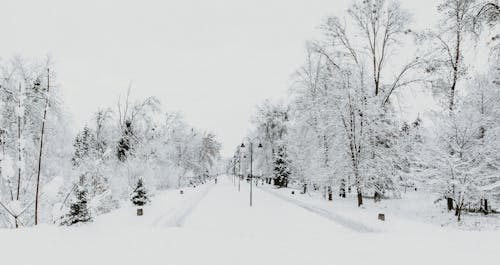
[(242, 146)]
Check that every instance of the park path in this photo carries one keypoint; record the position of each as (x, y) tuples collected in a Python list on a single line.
[(214, 225)]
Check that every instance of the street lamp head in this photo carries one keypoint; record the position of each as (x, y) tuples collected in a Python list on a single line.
[(242, 145)]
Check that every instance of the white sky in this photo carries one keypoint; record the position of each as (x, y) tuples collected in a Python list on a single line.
[(212, 60)]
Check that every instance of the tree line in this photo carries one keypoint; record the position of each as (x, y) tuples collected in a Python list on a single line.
[(343, 126), (50, 176)]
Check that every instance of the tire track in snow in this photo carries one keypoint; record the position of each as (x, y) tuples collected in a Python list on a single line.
[(348, 223), (177, 217)]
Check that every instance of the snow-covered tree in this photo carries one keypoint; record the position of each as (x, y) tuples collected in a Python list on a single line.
[(85, 144), (79, 210), (464, 159), (446, 65), (281, 168), (270, 121), (23, 101), (140, 194)]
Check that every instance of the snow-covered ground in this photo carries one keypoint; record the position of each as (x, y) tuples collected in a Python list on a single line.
[(413, 210), (213, 224)]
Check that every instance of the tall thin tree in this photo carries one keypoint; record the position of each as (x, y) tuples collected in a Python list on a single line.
[(41, 146)]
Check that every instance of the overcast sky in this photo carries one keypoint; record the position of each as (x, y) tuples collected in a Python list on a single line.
[(212, 60)]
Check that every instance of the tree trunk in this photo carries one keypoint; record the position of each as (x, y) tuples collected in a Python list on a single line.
[(456, 65), (458, 212), (19, 148), (360, 199), (41, 148), (449, 203)]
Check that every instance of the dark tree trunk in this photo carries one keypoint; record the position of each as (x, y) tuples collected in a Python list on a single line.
[(360, 199), (449, 203), (342, 189), (458, 212)]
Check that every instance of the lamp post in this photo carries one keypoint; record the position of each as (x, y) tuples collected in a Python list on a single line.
[(237, 159), (239, 169), (234, 170), (251, 162)]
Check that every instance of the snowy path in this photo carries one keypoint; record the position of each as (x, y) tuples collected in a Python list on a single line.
[(178, 216), (226, 209), (349, 223), (213, 225), (168, 209)]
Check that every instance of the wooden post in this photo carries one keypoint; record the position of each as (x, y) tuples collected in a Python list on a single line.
[(381, 217)]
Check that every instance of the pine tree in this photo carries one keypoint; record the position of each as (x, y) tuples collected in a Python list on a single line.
[(140, 194), (79, 211), (281, 168), (125, 144), (84, 145)]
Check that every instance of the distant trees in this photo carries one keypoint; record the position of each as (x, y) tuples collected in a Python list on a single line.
[(271, 128), (138, 141), (85, 146), (209, 152)]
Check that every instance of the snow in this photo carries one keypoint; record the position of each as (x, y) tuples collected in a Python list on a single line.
[(15, 207), (19, 111), (414, 210), (213, 224), (167, 209), (491, 186), (7, 167), (52, 188)]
